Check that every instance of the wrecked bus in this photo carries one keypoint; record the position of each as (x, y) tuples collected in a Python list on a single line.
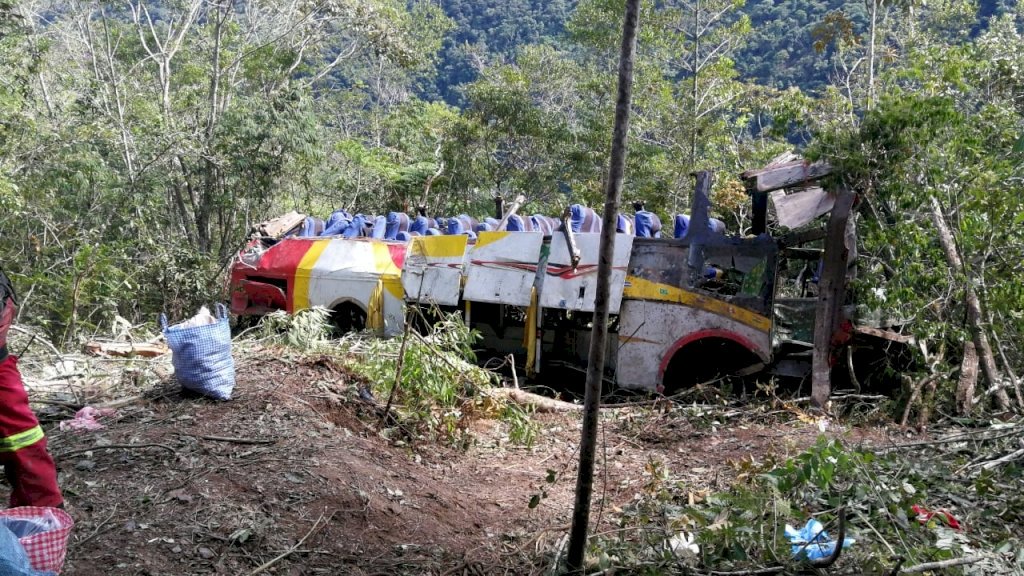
[(684, 309)]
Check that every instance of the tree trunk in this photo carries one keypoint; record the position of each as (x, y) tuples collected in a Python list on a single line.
[(694, 112), (968, 379), (595, 366), (974, 316), (871, 54)]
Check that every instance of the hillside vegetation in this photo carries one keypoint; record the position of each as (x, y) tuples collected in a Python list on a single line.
[(139, 141)]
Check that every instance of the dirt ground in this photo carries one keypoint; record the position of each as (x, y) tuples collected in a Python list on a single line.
[(291, 477)]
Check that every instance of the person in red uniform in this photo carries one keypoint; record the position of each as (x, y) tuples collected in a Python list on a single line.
[(27, 465)]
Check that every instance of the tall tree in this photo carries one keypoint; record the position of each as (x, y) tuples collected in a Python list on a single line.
[(938, 158)]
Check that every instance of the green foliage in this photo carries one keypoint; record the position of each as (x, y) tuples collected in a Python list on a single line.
[(129, 172), (307, 329), (441, 389), (742, 527)]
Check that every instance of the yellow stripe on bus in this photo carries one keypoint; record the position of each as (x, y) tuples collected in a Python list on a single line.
[(439, 246), (300, 288), (486, 237), (641, 289)]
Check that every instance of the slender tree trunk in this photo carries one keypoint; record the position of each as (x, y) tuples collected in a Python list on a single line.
[(694, 111), (595, 367), (974, 316), (871, 54)]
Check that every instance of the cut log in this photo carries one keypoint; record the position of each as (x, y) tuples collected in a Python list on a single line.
[(142, 349), (974, 315), (538, 402)]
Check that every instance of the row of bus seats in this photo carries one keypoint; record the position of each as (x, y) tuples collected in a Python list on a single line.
[(401, 227)]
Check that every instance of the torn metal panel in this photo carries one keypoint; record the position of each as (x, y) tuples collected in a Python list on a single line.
[(787, 175), (502, 267), (799, 208), (573, 288), (794, 319), (432, 273)]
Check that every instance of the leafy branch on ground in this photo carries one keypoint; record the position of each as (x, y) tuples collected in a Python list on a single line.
[(670, 527)]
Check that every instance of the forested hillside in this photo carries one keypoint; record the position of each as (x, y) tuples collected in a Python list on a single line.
[(488, 32), (139, 141), (780, 53)]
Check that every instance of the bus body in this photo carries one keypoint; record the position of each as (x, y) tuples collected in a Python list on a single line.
[(683, 310)]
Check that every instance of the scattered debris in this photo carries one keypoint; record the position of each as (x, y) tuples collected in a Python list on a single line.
[(86, 419), (924, 515)]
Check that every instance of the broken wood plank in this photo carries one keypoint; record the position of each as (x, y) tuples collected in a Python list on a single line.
[(797, 209), (278, 227), (798, 173), (884, 334), (831, 291)]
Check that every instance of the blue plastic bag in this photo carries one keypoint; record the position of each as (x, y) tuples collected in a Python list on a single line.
[(812, 542), (201, 355), (13, 558)]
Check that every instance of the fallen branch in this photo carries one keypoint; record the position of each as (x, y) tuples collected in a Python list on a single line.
[(99, 528), (35, 336), (927, 566), (1002, 460), (836, 397), (113, 447), (293, 549), (231, 439), (980, 437), (400, 365), (69, 405), (915, 394), (127, 349), (751, 572), (538, 402), (120, 402)]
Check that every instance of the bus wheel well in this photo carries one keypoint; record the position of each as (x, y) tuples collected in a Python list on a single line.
[(348, 316), (705, 360)]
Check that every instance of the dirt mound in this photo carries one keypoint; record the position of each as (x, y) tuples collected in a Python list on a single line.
[(292, 477)]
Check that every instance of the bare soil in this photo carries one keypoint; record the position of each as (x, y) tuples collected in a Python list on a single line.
[(294, 466)]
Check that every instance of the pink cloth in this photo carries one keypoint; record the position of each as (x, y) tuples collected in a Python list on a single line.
[(85, 419)]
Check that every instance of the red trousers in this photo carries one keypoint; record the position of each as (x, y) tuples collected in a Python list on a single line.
[(27, 464)]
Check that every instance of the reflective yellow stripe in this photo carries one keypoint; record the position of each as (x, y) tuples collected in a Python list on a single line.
[(21, 439)]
